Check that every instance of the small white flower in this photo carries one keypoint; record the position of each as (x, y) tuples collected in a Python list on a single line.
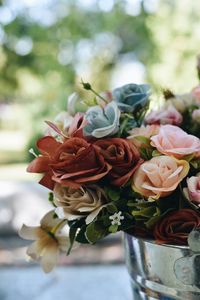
[(116, 218)]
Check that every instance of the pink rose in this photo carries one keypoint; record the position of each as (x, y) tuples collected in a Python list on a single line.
[(192, 191), (196, 93), (196, 115), (169, 115), (77, 124), (172, 140), (159, 176)]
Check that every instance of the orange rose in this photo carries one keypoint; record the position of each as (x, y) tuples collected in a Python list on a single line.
[(159, 176), (73, 163), (122, 156), (41, 164), (175, 227)]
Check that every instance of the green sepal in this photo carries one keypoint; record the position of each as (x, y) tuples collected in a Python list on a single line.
[(155, 153), (113, 228), (51, 198)]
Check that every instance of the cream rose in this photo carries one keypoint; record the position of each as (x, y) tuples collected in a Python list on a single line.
[(159, 176), (75, 203), (172, 140)]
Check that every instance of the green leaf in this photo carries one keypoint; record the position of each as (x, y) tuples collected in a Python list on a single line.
[(81, 238), (195, 163), (77, 223), (143, 139), (111, 208), (151, 222), (143, 153), (141, 204), (146, 212), (72, 237), (94, 232), (188, 157), (113, 193)]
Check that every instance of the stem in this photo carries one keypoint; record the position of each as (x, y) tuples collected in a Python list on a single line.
[(54, 229), (98, 95)]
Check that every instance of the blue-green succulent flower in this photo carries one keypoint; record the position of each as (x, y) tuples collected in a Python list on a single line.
[(131, 96), (102, 121)]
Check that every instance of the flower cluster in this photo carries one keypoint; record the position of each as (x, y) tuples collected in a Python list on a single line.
[(118, 167)]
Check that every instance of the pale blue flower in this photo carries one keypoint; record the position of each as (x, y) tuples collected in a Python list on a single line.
[(131, 96), (102, 121)]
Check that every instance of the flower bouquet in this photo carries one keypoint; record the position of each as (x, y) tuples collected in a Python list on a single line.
[(119, 166)]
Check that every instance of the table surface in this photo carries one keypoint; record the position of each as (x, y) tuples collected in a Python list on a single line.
[(65, 283)]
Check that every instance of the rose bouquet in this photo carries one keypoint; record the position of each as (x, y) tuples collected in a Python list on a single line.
[(118, 167)]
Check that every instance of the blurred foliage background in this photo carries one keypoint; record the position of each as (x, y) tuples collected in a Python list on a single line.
[(47, 46)]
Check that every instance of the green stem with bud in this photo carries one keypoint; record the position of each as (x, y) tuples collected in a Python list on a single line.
[(87, 86)]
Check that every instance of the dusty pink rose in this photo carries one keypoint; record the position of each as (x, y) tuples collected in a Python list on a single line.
[(192, 191), (169, 115), (172, 140), (77, 124), (159, 176), (196, 93)]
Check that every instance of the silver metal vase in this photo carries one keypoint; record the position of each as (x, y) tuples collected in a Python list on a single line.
[(162, 271)]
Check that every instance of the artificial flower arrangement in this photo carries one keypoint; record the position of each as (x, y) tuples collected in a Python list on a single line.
[(119, 167)]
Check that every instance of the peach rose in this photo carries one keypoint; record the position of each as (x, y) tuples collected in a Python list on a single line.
[(146, 131), (172, 140), (143, 131), (159, 176)]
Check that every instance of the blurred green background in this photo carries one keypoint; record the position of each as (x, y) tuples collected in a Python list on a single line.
[(47, 46)]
